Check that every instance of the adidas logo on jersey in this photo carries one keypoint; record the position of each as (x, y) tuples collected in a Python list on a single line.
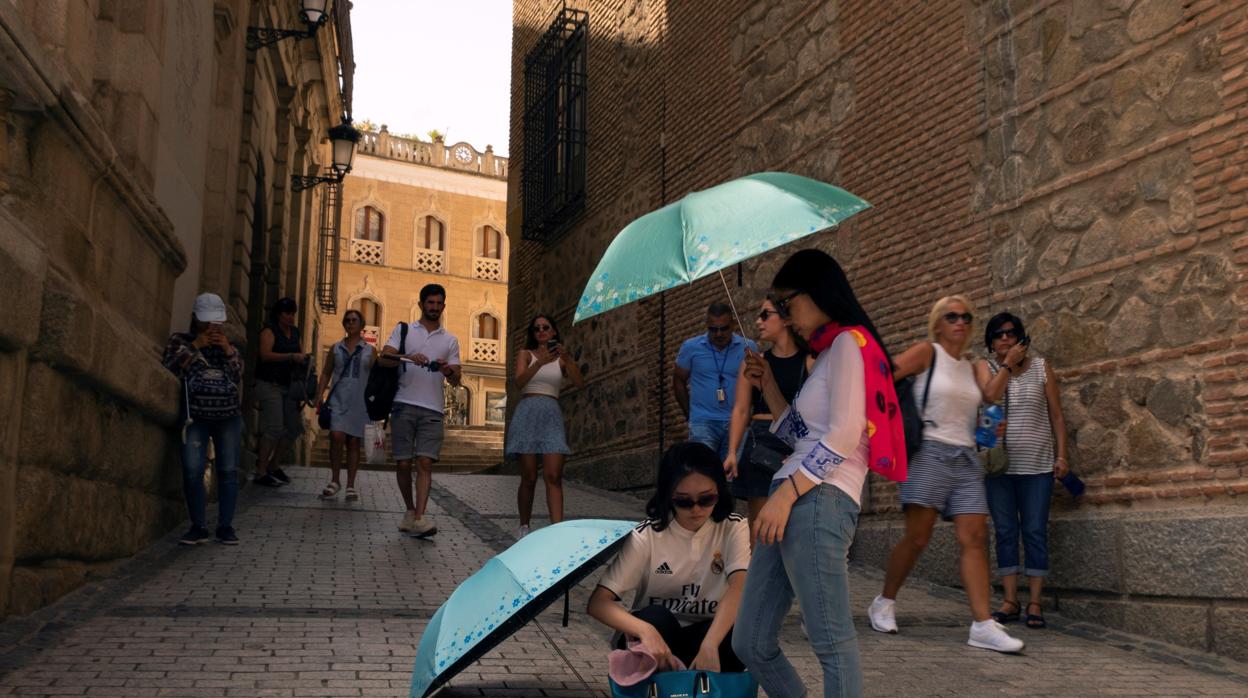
[(663, 569)]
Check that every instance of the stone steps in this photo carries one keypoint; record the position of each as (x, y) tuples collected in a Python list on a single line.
[(464, 450)]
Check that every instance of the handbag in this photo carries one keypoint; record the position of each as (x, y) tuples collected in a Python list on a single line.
[(996, 460), (764, 449), (303, 389), (690, 684), (911, 413)]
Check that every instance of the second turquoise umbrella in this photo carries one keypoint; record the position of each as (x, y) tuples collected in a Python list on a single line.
[(710, 230)]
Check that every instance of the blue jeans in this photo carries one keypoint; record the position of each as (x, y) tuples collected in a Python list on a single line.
[(226, 435), (811, 562), (1021, 502), (712, 433)]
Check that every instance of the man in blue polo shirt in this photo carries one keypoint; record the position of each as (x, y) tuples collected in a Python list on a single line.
[(705, 378)]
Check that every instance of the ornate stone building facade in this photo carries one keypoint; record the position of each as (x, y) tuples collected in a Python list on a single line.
[(1079, 162), (146, 156), (414, 213)]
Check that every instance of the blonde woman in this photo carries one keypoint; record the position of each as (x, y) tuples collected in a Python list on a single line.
[(945, 478)]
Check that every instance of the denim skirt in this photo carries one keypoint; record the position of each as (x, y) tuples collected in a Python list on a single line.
[(536, 427)]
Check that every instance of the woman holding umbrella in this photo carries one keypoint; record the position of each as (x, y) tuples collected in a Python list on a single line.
[(686, 563), (844, 421)]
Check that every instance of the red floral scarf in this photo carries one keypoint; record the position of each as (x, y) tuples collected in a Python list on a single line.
[(885, 431)]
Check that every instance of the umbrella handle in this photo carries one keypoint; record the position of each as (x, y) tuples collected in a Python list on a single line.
[(731, 304), (565, 608)]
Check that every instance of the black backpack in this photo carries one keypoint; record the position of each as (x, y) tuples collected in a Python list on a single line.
[(912, 414), (383, 383)]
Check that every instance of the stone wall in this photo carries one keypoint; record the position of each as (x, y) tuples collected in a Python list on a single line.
[(1078, 163), (121, 128)]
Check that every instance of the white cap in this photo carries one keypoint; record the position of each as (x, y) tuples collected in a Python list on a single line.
[(209, 308)]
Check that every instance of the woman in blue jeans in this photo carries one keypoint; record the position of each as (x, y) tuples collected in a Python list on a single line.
[(1035, 442), (211, 371), (803, 532)]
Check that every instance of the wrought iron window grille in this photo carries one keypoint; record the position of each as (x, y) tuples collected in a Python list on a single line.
[(328, 249), (555, 96)]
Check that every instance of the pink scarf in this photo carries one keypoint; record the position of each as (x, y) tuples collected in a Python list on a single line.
[(885, 432)]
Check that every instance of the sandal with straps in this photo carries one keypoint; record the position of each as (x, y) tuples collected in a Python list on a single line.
[(1007, 616), (352, 494), (1035, 621), (330, 491)]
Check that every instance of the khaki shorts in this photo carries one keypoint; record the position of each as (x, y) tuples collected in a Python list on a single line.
[(280, 415), (415, 432)]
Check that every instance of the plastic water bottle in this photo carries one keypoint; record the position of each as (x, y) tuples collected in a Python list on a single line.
[(989, 420)]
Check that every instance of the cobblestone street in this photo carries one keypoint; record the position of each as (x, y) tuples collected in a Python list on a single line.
[(329, 599)]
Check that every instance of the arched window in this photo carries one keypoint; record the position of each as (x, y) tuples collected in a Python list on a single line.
[(369, 224), (371, 310), (491, 243), (486, 327), (431, 234)]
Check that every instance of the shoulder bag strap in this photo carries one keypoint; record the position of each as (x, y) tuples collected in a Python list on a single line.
[(927, 385)]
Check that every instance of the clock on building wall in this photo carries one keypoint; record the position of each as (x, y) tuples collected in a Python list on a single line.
[(463, 154)]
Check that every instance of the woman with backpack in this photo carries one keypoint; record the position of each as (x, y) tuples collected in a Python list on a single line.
[(945, 476), (349, 362), (211, 370)]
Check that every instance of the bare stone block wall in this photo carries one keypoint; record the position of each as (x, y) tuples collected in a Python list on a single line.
[(1078, 163)]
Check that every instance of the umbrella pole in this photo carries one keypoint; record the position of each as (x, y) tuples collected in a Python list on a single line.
[(731, 304), (562, 656)]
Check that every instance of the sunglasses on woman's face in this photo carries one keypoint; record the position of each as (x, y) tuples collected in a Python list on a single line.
[(952, 318), (706, 500), (541, 328), (765, 314), (782, 304), (1002, 334)]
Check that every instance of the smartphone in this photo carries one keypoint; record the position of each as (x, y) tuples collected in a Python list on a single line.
[(1025, 341), (552, 344)]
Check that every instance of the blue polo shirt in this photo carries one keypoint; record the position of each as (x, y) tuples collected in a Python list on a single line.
[(709, 370)]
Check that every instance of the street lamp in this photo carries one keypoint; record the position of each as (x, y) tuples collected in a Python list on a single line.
[(343, 138), (314, 15)]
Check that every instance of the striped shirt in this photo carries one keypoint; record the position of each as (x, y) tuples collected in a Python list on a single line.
[(1028, 432)]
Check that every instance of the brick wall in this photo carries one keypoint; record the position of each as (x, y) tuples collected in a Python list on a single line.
[(1078, 163)]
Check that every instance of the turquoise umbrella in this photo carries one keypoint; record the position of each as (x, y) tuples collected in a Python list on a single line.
[(710, 230), (509, 591)]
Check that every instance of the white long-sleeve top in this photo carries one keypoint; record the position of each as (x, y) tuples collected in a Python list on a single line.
[(827, 423)]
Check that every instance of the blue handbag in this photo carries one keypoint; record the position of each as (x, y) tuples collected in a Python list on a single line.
[(690, 684)]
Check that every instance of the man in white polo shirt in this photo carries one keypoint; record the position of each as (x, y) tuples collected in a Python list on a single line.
[(429, 358)]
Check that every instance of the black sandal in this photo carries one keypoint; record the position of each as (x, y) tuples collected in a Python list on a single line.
[(1035, 621), (1006, 617)]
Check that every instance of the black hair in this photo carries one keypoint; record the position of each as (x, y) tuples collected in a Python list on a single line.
[(357, 313), (283, 305), (432, 290), (995, 324), (530, 335), (818, 275), (717, 309), (681, 460)]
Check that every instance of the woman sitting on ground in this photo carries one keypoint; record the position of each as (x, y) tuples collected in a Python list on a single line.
[(687, 565)]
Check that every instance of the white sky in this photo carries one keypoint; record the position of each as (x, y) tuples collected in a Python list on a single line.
[(434, 64)]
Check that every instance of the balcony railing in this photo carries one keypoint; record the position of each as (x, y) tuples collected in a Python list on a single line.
[(430, 261), (368, 252), (487, 268), (457, 156), (487, 350)]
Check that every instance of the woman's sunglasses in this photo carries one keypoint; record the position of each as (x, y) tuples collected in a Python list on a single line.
[(706, 500), (1002, 334), (782, 304), (765, 314), (952, 318), (542, 328)]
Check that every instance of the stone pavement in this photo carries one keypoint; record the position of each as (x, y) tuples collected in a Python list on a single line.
[(328, 599)]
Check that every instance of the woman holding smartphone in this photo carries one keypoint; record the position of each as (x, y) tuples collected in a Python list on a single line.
[(537, 425)]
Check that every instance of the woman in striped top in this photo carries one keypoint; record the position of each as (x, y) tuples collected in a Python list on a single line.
[(1035, 441)]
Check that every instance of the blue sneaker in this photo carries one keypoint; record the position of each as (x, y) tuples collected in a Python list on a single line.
[(225, 536), (194, 536)]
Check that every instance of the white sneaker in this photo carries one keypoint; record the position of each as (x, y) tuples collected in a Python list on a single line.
[(522, 531), (991, 635), (423, 528), (409, 521), (883, 615)]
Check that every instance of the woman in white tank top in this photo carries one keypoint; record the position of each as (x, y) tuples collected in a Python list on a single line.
[(536, 426), (945, 476)]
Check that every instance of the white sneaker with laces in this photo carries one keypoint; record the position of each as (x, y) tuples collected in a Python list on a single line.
[(883, 615), (409, 521), (423, 528), (991, 635)]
